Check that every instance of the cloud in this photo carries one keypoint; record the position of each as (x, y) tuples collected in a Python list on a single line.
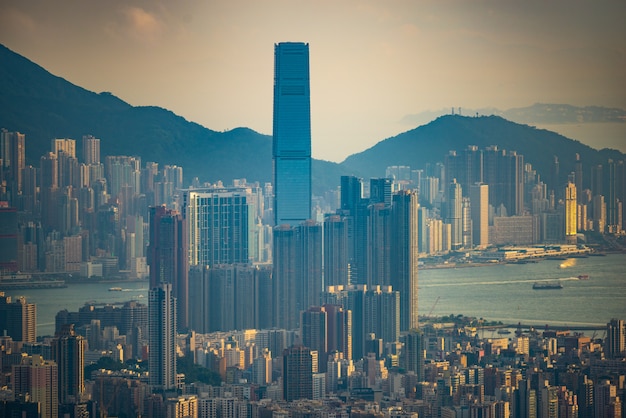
[(138, 24)]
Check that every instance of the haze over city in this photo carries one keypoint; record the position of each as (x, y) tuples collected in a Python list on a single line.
[(373, 65)]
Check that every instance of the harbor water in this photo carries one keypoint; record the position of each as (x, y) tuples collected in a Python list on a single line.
[(501, 292)]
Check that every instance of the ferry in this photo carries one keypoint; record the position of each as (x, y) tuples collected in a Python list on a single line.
[(547, 285)]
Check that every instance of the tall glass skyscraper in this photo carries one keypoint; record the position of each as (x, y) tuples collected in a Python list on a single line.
[(292, 134)]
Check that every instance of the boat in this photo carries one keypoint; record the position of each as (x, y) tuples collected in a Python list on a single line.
[(115, 289), (583, 277), (547, 285)]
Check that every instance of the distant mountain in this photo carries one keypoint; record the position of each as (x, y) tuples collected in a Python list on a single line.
[(44, 106), (537, 114), (430, 143)]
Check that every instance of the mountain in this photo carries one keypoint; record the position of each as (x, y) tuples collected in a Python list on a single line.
[(44, 106), (537, 114), (430, 143)]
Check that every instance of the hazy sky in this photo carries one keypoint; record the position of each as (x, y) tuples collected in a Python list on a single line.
[(372, 62)]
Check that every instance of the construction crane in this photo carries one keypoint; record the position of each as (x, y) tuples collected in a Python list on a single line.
[(433, 307)]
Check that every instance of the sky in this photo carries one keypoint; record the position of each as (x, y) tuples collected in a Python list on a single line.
[(373, 63)]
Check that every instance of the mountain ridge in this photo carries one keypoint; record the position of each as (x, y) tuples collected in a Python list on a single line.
[(45, 106)]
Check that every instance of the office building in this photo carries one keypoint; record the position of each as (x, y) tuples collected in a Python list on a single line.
[(404, 256), (162, 337), (291, 134), (39, 379), (68, 351), (167, 256)]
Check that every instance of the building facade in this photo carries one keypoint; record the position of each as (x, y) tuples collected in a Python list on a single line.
[(292, 134)]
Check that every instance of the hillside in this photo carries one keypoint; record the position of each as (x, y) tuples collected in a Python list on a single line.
[(430, 143), (44, 106)]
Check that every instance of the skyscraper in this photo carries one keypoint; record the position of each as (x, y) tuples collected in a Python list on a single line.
[(335, 250), (91, 150), (570, 213), (454, 215), (162, 339), (299, 364), (18, 318), (404, 250), (68, 350), (414, 353), (292, 134), (167, 256), (479, 198), (38, 378), (615, 338), (217, 226)]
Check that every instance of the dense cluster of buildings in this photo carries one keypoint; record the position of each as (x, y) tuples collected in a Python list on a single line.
[(302, 309)]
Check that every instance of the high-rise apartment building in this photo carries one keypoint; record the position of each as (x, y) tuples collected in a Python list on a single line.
[(571, 216), (12, 161), (18, 319), (504, 173), (66, 145), (39, 379), (314, 332), (379, 244), (167, 256), (414, 353), (335, 250), (91, 150), (404, 255), (9, 253), (354, 209), (615, 338), (218, 226), (479, 200), (299, 364), (297, 271), (68, 351), (381, 190), (454, 213), (466, 167), (292, 134), (162, 337)]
